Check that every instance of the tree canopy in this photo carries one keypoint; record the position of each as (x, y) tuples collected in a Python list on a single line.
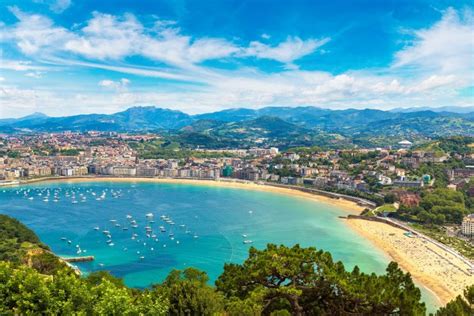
[(305, 281), (437, 207), (277, 280)]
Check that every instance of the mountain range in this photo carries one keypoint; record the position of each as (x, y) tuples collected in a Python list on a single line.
[(297, 125)]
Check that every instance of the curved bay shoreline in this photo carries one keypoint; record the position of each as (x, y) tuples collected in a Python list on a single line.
[(349, 206), (376, 233)]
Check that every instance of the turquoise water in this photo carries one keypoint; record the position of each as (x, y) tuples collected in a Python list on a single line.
[(209, 224)]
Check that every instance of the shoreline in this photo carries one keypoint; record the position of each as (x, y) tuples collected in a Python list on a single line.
[(439, 271), (432, 282), (350, 207)]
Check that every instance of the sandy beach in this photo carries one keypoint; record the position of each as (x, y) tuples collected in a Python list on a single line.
[(445, 275), (349, 206), (441, 272)]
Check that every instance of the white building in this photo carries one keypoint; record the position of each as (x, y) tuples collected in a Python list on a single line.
[(467, 228), (405, 144)]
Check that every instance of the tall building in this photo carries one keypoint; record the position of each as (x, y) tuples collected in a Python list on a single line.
[(467, 227)]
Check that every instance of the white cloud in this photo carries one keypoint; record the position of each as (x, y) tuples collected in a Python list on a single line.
[(60, 6), (434, 82), (286, 52), (107, 40), (34, 74), (110, 37), (34, 33), (119, 85), (20, 65), (107, 37), (447, 46), (57, 6), (2, 78)]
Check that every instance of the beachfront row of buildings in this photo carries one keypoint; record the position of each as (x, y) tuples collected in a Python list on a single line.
[(92, 153)]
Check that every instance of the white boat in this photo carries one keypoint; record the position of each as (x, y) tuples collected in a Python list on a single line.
[(248, 241), (106, 232), (96, 228)]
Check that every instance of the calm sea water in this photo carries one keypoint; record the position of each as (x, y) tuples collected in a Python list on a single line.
[(210, 226)]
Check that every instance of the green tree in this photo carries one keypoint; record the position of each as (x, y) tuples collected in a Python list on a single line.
[(460, 306), (307, 281), (188, 293)]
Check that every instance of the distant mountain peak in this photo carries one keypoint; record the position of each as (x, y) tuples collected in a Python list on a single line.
[(35, 115)]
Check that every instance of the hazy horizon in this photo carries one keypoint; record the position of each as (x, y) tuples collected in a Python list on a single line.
[(459, 109)]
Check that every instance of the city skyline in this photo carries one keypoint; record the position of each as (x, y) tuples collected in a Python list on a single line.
[(68, 57)]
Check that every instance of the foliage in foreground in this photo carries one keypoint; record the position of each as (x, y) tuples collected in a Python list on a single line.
[(460, 306), (300, 281), (307, 281), (278, 280)]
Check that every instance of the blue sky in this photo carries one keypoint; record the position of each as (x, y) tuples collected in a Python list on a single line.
[(64, 57)]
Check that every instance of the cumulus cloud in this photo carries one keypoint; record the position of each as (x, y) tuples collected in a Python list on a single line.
[(111, 37), (286, 52), (34, 33), (438, 62), (447, 46), (119, 85)]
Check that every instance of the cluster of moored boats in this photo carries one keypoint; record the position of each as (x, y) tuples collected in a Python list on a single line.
[(73, 195), (149, 234)]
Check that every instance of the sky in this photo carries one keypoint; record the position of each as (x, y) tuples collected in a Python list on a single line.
[(66, 57)]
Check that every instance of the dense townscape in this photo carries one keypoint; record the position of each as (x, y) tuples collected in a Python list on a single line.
[(427, 184), (237, 158)]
